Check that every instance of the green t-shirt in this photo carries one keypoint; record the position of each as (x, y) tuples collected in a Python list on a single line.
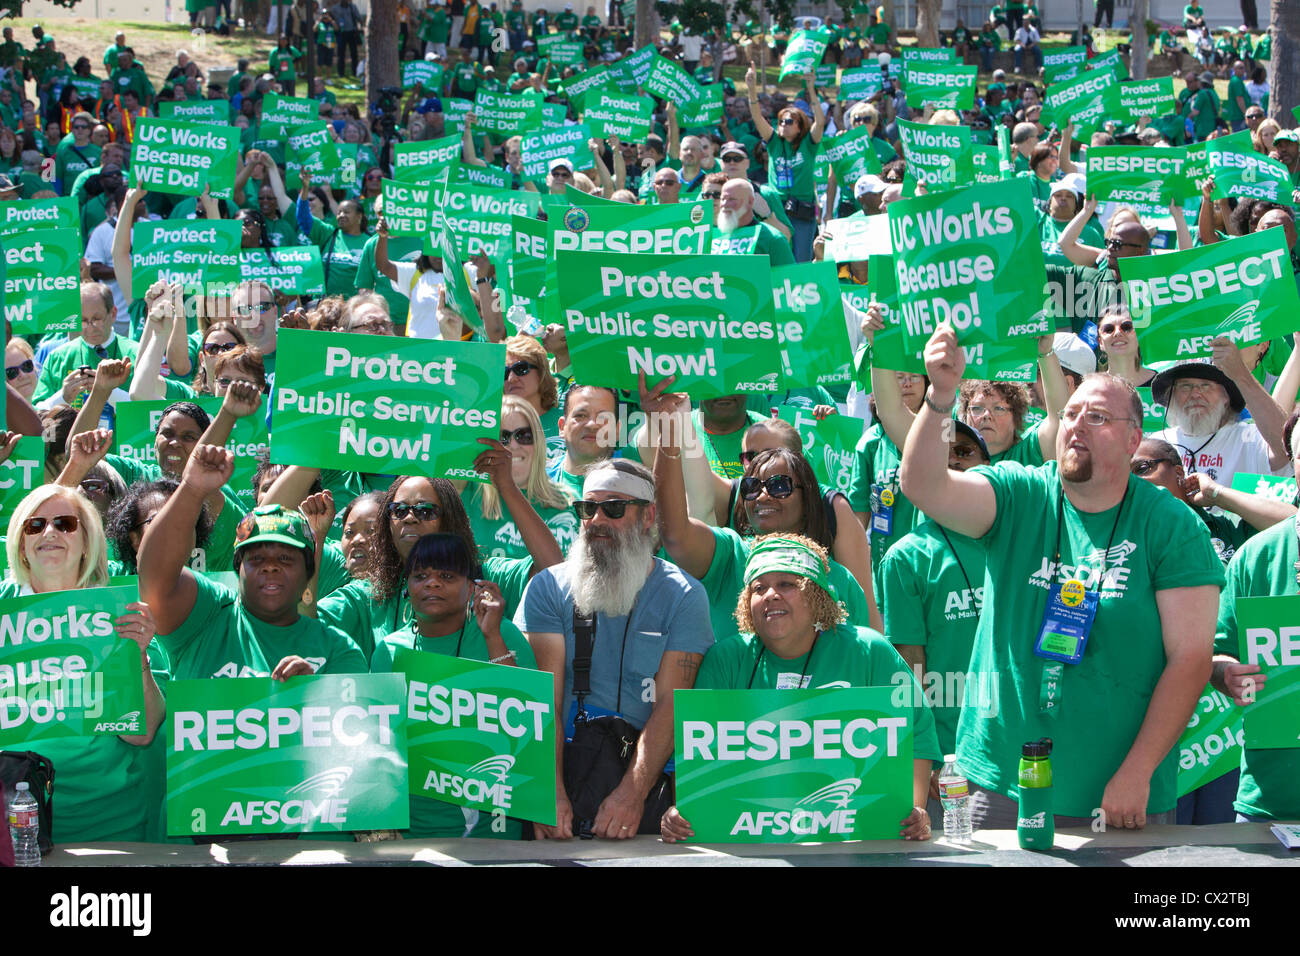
[(934, 584), (340, 255), (723, 451), (71, 160), (791, 170), (1049, 233), (436, 28), (876, 464), (756, 239), (1027, 450), (221, 639), (333, 570), (725, 579), (1264, 566), (282, 63), (1236, 88), (500, 538), (1148, 543), (74, 355), (879, 33)]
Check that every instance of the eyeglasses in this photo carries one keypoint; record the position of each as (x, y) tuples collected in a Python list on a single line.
[(1108, 329), (63, 523), (95, 486), (80, 126), (374, 175), (1092, 419), (778, 486), (423, 511), (710, 195), (520, 368), (372, 327), (520, 436), (25, 368), (1144, 466), (1187, 388), (975, 411), (217, 348), (613, 508), (1117, 244), (225, 381), (247, 311)]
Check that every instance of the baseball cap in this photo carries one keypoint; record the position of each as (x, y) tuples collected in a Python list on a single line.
[(999, 75), (1287, 135), (1163, 383), (6, 184), (733, 147), (974, 435), (1074, 353), (275, 524), (562, 161), (869, 183), (1207, 78), (1072, 182)]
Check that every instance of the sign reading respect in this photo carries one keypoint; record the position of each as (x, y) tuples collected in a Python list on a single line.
[(943, 86), (1138, 174), (1269, 633)]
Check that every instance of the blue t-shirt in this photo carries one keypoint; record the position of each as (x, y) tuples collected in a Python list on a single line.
[(671, 614)]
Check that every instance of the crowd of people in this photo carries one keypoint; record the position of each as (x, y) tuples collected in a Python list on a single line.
[(709, 536)]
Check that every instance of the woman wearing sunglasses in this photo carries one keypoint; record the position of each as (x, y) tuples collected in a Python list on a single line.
[(1118, 340), (528, 376), (20, 367), (109, 786), (791, 156), (457, 613), (790, 631)]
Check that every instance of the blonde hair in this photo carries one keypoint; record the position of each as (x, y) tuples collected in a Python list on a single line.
[(538, 487), (827, 613), (93, 571), (534, 353), (22, 345), (945, 118)]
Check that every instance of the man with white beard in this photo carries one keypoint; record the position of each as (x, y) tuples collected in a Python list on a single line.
[(649, 627), (1204, 403), (739, 232)]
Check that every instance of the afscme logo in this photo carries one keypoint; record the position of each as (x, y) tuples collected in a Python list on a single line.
[(1241, 315), (124, 724), (327, 782), (837, 793), (1037, 822), (803, 820), (300, 812), (498, 767)]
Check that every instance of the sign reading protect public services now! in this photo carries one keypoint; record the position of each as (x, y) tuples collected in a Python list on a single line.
[(385, 405), (311, 754), (480, 735), (793, 766)]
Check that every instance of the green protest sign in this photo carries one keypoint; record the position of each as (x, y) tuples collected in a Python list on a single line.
[(1211, 744), (1241, 173), (1087, 101), (1181, 301), (480, 735), (1197, 168), (280, 114), (480, 218), (1153, 413), (42, 280), (1270, 639), (554, 115), (851, 154), (576, 87), (422, 73), (940, 85), (827, 444), (986, 163), (203, 112), (1139, 98), (64, 672), (610, 114), (972, 258), (929, 54), (939, 156), (788, 766), (1137, 174), (293, 270), (310, 148), (1062, 62), (705, 109), (20, 473), (184, 158), (670, 82), (425, 161), (856, 237), (507, 113), (20, 215), (308, 755), (541, 149), (561, 50), (186, 251), (460, 298), (808, 294), (860, 84), (528, 265), (486, 177), (825, 75), (1279, 487), (137, 424), (804, 52), (707, 319), (344, 175), (408, 207), (454, 111), (637, 67), (1110, 61), (385, 405), (889, 346)]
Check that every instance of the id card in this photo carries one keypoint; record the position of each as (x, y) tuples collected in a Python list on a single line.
[(882, 510), (1067, 622)]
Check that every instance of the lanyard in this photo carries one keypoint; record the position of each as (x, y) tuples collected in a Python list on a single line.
[(1297, 541), (763, 650), (962, 568), (1191, 464), (415, 626), (1060, 522)]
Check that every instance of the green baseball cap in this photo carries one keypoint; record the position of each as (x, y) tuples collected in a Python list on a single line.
[(275, 524), (1287, 136)]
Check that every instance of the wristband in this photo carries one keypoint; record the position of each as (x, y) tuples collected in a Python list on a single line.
[(937, 409), (504, 657)]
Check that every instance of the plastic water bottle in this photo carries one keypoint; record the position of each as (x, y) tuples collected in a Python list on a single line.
[(954, 792), (526, 324), (1035, 826), (24, 826)]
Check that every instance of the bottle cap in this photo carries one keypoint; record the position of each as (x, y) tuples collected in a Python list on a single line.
[(949, 758), (1041, 747), (21, 786)]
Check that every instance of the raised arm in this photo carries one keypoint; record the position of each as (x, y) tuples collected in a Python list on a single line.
[(241, 400), (282, 200), (109, 375), (146, 380), (1287, 386), (537, 535), (819, 115), (1067, 140), (382, 263), (602, 171), (467, 152), (761, 125), (1071, 248), (674, 133), (688, 541), (1054, 396), (1180, 225), (178, 343), (122, 241), (1269, 418), (707, 492), (620, 166)]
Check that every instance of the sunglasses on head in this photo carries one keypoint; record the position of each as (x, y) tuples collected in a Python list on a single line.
[(26, 367), (216, 348), (613, 508), (778, 486), (424, 510), (64, 523), (520, 368), (1109, 328), (520, 436)]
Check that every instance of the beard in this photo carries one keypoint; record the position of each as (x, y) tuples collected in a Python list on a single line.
[(607, 574), (1197, 424), (728, 222), (1076, 466)]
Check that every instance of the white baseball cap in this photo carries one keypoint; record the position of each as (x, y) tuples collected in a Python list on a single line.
[(870, 183)]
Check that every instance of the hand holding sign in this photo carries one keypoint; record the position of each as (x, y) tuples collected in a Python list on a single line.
[(916, 825), (673, 827), (495, 462), (137, 625), (1243, 682), (292, 666)]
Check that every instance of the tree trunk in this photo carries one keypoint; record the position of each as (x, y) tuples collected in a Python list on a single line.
[(889, 14), (382, 66), (927, 22), (1138, 23), (647, 23), (1284, 70)]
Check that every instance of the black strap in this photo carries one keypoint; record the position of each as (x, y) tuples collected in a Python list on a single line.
[(731, 502), (828, 506), (584, 640), (327, 257)]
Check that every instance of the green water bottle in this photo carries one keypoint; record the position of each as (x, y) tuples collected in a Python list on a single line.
[(1035, 826)]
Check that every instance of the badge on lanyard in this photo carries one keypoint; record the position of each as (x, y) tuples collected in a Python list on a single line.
[(882, 510), (1067, 622)]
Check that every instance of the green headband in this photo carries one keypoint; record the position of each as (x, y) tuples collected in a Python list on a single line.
[(788, 557)]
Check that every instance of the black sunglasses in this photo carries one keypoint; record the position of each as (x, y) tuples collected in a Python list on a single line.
[(520, 436), (613, 508), (25, 368), (778, 486), (424, 511), (710, 195), (64, 523), (520, 368), (1144, 466), (1125, 326), (216, 348)]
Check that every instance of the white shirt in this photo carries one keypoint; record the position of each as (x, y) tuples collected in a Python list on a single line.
[(1026, 35), (1238, 447), (422, 323), (99, 249)]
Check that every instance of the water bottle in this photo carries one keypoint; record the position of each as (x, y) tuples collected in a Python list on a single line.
[(24, 826), (1035, 825), (525, 324), (954, 792)]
